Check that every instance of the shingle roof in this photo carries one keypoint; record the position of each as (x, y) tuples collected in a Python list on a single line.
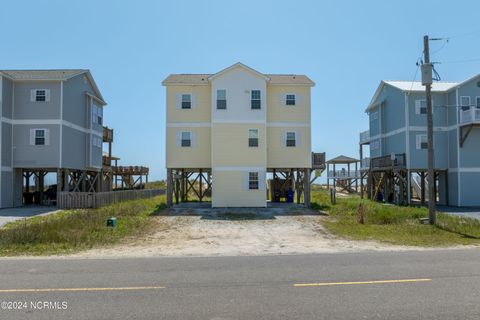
[(187, 79), (199, 79), (196, 79), (417, 85), (343, 159), (42, 74)]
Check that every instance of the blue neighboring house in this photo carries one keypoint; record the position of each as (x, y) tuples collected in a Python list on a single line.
[(398, 129)]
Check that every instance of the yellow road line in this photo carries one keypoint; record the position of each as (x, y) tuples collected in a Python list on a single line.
[(80, 289), (325, 284)]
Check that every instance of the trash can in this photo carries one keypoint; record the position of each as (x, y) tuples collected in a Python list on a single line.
[(27, 198), (290, 195), (276, 197)]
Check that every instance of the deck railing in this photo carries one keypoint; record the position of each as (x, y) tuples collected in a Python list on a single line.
[(395, 161), (365, 163), (83, 200), (364, 137), (470, 116), (107, 134), (344, 174), (318, 160)]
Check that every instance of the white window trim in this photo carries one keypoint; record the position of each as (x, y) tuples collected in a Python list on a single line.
[(181, 101), (190, 136), (258, 180), (33, 95), (46, 136), (418, 141), (469, 102), (216, 99), (258, 136), (294, 97), (477, 99), (418, 106), (286, 139)]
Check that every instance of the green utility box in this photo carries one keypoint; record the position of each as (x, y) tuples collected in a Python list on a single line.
[(112, 222)]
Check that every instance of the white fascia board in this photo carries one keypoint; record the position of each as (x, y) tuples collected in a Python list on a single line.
[(238, 65)]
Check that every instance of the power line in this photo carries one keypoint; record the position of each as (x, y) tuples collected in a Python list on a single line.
[(459, 61)]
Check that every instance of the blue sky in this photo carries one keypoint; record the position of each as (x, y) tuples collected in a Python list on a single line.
[(346, 47)]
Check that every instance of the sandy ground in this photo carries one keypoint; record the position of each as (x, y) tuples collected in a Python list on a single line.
[(202, 232)]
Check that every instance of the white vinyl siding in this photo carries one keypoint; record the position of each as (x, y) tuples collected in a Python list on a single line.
[(40, 95)]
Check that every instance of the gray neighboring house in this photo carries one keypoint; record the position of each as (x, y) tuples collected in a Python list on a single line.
[(52, 122), (397, 114)]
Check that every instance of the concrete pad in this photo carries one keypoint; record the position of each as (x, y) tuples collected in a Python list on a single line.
[(13, 214), (469, 212)]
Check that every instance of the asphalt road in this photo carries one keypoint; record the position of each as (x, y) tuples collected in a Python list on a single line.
[(402, 285)]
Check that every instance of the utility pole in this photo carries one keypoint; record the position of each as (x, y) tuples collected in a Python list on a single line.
[(427, 68)]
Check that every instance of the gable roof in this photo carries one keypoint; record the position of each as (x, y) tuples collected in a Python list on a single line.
[(235, 66), (52, 75), (204, 79), (409, 86)]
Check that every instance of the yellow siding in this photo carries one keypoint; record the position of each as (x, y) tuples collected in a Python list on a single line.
[(277, 111), (201, 111), (229, 191), (280, 156), (230, 146), (197, 156)]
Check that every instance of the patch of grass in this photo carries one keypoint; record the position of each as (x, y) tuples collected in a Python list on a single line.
[(74, 230), (394, 224)]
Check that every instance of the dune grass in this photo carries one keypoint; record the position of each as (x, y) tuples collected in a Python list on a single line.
[(74, 230), (394, 224)]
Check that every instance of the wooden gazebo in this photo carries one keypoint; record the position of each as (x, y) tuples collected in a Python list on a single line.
[(345, 176)]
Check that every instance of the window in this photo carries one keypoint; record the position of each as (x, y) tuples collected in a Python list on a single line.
[(39, 137), (97, 114), (290, 100), (477, 102), (40, 95), (421, 106), (253, 137), (422, 141), (375, 145), (253, 180), (291, 141), (465, 103), (222, 99), (186, 139), (97, 141), (256, 102), (374, 116), (186, 101)]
